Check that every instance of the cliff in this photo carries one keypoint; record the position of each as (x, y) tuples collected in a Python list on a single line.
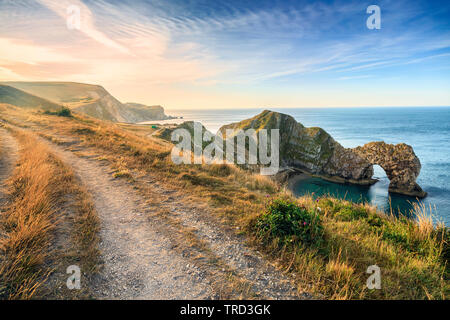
[(400, 163), (147, 112), (89, 99), (314, 151)]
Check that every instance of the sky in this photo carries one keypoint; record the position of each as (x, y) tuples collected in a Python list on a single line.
[(208, 54)]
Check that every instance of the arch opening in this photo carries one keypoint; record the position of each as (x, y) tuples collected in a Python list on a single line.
[(380, 190)]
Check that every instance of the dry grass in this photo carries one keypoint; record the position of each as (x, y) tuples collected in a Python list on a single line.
[(409, 253), (40, 186), (413, 255)]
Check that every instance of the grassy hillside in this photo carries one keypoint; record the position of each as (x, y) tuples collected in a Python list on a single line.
[(326, 244), (69, 93), (92, 100), (23, 99)]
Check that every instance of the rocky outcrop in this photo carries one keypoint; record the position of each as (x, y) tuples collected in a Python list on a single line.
[(314, 151), (346, 166), (400, 163), (311, 150), (146, 113), (165, 132)]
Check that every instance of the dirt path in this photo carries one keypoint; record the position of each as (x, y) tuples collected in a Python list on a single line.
[(8, 157), (138, 261), (266, 282), (141, 258)]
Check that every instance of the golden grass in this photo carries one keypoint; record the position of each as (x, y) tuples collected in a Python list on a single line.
[(39, 187), (411, 254), (412, 267)]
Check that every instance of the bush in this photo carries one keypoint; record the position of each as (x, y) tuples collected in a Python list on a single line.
[(349, 213), (83, 131), (64, 112), (396, 233), (286, 221), (374, 220)]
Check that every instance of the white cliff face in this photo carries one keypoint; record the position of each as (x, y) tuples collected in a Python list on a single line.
[(106, 107)]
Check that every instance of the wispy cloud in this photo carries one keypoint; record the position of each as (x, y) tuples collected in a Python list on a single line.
[(365, 76), (87, 21), (183, 47)]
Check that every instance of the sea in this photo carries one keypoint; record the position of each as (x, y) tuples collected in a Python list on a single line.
[(426, 129)]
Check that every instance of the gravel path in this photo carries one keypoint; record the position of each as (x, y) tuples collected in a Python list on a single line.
[(138, 260), (266, 282), (139, 255)]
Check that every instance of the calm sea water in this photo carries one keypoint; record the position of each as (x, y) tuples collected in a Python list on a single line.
[(427, 129)]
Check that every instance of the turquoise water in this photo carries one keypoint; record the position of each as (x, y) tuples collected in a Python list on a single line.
[(427, 129)]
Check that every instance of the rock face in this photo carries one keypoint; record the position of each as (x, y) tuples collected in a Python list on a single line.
[(308, 149), (314, 151), (400, 163), (165, 133)]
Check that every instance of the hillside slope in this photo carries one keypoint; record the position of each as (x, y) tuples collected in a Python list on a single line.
[(147, 112), (23, 99), (92, 100)]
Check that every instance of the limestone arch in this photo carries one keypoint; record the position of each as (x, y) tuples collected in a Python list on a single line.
[(400, 163)]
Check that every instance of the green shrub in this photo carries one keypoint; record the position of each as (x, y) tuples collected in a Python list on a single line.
[(285, 221), (64, 112), (374, 220), (396, 233), (349, 213)]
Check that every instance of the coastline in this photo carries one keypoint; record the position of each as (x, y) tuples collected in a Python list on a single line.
[(293, 179), (294, 175)]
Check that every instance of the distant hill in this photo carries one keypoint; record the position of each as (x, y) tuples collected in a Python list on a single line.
[(92, 100), (152, 112), (23, 99)]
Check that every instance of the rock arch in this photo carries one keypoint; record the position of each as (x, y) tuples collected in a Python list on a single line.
[(400, 163)]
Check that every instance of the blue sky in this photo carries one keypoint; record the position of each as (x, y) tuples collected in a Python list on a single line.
[(235, 54)]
